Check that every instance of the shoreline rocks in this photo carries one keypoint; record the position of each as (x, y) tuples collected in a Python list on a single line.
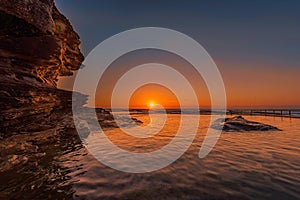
[(240, 124)]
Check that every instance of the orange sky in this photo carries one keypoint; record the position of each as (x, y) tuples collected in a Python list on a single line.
[(255, 43), (264, 86), (153, 94)]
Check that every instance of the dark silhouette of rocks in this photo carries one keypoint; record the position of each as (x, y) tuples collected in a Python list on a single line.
[(37, 45), (240, 124)]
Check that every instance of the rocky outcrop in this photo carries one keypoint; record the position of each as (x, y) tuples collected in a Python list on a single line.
[(37, 42), (37, 45), (240, 124)]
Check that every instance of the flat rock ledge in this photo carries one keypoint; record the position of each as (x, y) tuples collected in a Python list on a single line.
[(240, 124)]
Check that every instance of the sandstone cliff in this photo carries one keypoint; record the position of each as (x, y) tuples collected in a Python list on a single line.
[(37, 45)]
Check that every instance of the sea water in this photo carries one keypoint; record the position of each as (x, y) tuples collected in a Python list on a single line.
[(242, 165)]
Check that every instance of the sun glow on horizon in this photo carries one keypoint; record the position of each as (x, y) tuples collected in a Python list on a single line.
[(151, 104)]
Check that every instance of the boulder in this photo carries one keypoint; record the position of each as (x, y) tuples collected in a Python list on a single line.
[(240, 124)]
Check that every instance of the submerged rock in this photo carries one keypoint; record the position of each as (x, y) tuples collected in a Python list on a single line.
[(238, 123)]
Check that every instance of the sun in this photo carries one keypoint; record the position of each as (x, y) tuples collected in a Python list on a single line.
[(151, 104)]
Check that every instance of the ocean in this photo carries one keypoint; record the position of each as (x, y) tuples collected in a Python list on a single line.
[(242, 165)]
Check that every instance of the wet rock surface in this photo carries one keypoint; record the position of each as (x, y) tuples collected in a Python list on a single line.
[(30, 167), (240, 124), (30, 161)]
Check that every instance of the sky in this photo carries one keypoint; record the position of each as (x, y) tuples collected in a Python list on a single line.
[(255, 44)]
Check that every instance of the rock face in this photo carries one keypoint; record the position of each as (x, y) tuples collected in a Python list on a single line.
[(240, 124), (37, 45)]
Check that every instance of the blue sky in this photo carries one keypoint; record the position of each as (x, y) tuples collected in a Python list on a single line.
[(248, 38), (267, 32)]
